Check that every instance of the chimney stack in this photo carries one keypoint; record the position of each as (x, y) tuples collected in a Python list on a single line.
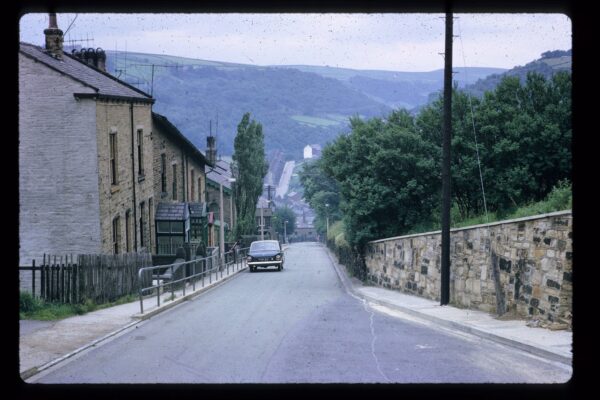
[(211, 150), (101, 59), (54, 38)]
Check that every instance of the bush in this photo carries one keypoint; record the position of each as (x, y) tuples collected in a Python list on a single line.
[(29, 303)]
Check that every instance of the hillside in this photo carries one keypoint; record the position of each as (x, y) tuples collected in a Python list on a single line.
[(399, 89), (296, 105), (548, 64)]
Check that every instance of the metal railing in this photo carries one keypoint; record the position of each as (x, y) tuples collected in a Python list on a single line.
[(193, 271)]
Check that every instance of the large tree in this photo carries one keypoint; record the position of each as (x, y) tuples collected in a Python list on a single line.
[(249, 170), (388, 177)]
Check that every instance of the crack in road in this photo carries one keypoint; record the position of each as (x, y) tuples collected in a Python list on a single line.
[(373, 336)]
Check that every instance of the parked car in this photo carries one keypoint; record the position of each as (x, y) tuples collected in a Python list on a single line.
[(265, 253)]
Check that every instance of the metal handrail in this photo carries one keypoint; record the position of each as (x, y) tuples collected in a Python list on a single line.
[(216, 265)]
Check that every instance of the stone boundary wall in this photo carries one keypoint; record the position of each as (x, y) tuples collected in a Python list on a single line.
[(522, 267)]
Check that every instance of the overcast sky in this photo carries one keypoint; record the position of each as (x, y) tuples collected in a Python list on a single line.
[(397, 42)]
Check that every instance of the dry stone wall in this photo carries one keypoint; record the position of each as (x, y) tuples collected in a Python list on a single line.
[(521, 267)]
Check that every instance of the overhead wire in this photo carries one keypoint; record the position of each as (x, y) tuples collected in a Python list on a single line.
[(473, 122)]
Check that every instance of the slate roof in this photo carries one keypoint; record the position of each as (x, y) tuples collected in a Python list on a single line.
[(220, 173), (197, 209), (174, 133), (171, 212), (103, 83)]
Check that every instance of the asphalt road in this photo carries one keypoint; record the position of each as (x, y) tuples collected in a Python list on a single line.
[(295, 326)]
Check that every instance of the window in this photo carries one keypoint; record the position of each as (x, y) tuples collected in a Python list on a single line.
[(169, 244), (169, 226), (114, 178), (142, 230), (163, 172), (192, 188), (196, 229), (116, 234), (174, 181), (163, 226), (128, 231), (140, 148)]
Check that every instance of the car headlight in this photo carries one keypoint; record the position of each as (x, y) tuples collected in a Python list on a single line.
[(249, 258), (278, 257)]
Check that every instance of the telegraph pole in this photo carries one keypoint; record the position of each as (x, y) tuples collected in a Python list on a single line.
[(446, 188)]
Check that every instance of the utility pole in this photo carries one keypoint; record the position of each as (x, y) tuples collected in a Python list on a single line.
[(446, 188), (262, 224), (221, 224), (285, 231), (327, 216)]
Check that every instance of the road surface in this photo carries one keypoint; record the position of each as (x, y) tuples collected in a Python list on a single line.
[(295, 326)]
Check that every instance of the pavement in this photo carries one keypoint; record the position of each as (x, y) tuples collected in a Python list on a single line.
[(45, 344)]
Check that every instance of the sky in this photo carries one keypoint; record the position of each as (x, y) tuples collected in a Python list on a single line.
[(393, 42)]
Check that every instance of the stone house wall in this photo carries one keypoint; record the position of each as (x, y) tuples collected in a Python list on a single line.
[(58, 170), (522, 266), (117, 200)]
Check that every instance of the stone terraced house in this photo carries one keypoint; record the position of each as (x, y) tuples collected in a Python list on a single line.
[(179, 188), (91, 170)]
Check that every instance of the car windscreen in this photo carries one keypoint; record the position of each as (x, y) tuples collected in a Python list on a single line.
[(264, 246)]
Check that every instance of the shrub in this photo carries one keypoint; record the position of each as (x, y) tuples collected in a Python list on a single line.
[(28, 303)]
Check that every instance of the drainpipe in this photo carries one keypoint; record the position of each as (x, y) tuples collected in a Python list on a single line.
[(133, 178), (183, 176)]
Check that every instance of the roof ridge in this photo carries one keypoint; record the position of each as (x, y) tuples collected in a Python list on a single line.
[(108, 75), (70, 70)]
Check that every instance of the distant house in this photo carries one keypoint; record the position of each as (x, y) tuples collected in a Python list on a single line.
[(312, 151), (85, 155), (216, 176), (264, 218)]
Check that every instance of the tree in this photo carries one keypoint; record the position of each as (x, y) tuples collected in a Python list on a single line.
[(526, 131), (280, 216), (387, 175), (249, 168), (321, 192)]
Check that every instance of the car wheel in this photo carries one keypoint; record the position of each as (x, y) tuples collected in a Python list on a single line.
[(279, 267), (251, 269)]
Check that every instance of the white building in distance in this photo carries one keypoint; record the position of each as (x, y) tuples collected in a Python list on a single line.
[(312, 151)]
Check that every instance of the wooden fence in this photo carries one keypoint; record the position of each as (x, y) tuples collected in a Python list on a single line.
[(97, 277)]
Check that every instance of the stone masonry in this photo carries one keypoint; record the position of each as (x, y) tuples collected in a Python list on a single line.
[(58, 181), (522, 267), (176, 156), (116, 200)]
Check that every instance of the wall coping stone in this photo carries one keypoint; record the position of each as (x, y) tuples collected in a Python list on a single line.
[(503, 222)]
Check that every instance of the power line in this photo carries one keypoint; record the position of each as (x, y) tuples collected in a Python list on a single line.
[(473, 124)]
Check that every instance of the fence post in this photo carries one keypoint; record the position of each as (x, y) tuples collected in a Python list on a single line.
[(62, 280), (158, 287), (54, 280), (185, 277), (33, 277), (171, 284), (42, 282)]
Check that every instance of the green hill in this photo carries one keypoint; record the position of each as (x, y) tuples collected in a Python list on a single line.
[(296, 105), (548, 64)]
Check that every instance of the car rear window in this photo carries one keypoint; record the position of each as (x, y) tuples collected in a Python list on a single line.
[(259, 246)]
